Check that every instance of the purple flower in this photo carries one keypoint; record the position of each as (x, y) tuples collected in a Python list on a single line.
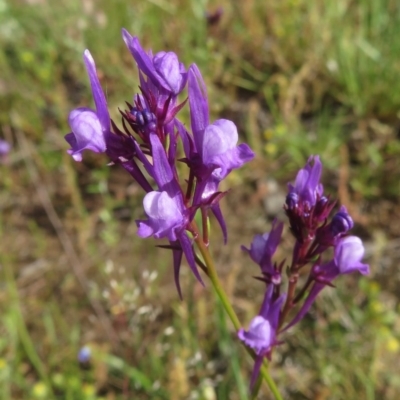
[(164, 69), (214, 146), (348, 255), (261, 335), (307, 188), (89, 127), (349, 252), (212, 152), (306, 206), (262, 249), (167, 215)]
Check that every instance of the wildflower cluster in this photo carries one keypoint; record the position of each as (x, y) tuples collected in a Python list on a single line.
[(146, 146), (308, 211)]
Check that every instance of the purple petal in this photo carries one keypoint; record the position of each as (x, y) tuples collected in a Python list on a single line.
[(187, 141), (199, 113), (187, 248), (219, 137), (348, 255), (312, 295), (274, 237), (216, 210), (257, 247), (87, 133), (256, 371), (164, 214), (142, 157), (97, 91), (264, 246), (270, 309), (307, 184), (163, 174), (219, 147), (244, 153), (168, 66), (143, 60), (259, 336), (315, 171), (145, 229)]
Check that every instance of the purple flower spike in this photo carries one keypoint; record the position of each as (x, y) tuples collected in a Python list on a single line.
[(263, 248), (261, 336), (307, 186), (89, 127)]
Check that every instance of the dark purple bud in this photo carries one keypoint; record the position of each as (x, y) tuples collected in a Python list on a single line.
[(292, 200), (341, 222), (138, 117), (144, 120), (320, 206)]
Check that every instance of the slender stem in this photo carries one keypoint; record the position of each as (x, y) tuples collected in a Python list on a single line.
[(289, 299), (212, 273)]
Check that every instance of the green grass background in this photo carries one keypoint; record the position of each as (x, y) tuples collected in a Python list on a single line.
[(298, 77)]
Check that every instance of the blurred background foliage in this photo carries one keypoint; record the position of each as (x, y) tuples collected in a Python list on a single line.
[(298, 77)]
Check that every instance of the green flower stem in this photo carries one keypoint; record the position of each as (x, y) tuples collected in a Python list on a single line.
[(212, 273)]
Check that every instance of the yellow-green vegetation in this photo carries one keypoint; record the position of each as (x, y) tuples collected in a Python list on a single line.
[(298, 77)]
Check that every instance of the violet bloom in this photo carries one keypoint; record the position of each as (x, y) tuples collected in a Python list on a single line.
[(307, 187), (213, 146), (212, 152), (349, 252), (262, 249), (162, 77), (89, 127), (163, 69), (262, 332), (165, 209)]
